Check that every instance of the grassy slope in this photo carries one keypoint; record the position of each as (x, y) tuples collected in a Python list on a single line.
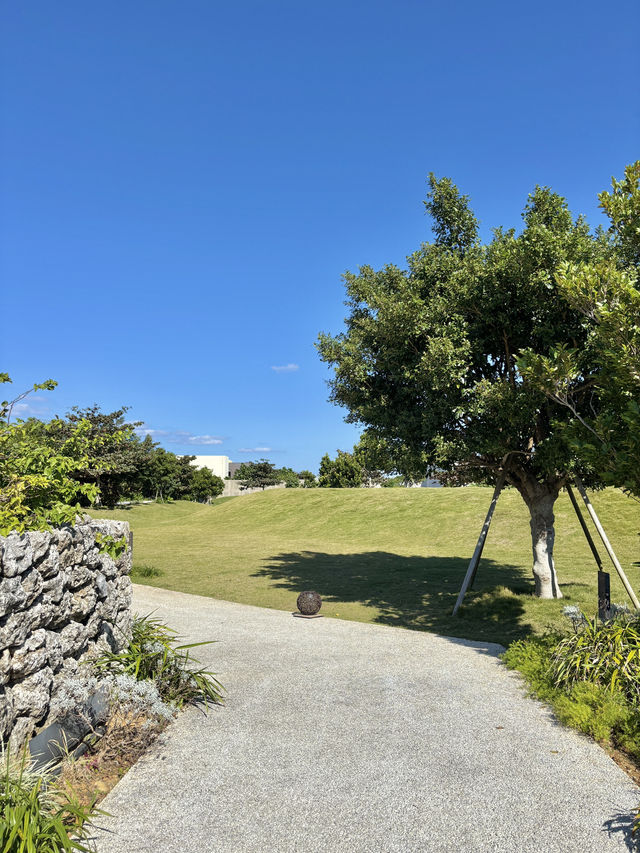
[(394, 556)]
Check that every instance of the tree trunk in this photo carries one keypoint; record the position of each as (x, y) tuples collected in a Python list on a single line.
[(540, 499), (542, 538)]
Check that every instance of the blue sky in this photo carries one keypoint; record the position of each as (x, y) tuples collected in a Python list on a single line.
[(183, 184)]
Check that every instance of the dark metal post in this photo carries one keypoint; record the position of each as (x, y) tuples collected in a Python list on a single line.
[(604, 595)]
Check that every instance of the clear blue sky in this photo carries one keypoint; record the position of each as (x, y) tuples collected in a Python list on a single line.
[(183, 184)]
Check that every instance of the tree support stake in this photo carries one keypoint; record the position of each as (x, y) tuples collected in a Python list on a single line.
[(604, 590), (470, 576), (606, 543)]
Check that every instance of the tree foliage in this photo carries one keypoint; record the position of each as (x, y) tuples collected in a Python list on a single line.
[(205, 485), (257, 475), (37, 463), (289, 477), (343, 472), (598, 384), (50, 470), (119, 455), (308, 478)]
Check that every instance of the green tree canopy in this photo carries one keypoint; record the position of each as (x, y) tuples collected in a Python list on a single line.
[(289, 477), (257, 475), (119, 453), (598, 385), (37, 463), (205, 485), (343, 472), (308, 478), (428, 360)]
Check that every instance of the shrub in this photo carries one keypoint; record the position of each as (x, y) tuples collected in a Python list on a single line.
[(594, 710), (153, 655), (604, 653), (532, 657)]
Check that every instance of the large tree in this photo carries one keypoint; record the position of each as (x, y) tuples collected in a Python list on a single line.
[(428, 360)]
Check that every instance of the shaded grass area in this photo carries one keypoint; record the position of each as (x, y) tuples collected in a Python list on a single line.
[(391, 556), (407, 592)]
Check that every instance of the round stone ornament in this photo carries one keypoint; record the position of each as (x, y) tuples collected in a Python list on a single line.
[(309, 603)]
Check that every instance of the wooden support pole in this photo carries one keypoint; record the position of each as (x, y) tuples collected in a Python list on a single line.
[(607, 544), (585, 529), (473, 565), (604, 593)]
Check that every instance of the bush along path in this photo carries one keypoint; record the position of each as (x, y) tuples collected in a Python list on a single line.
[(48, 808)]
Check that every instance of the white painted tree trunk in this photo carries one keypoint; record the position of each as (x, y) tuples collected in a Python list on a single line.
[(542, 538)]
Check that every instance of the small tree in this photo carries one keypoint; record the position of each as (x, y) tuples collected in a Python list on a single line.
[(343, 472), (257, 475), (308, 478), (119, 453), (289, 477), (169, 477), (205, 485)]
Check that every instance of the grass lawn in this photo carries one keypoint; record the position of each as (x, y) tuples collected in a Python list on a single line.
[(392, 556)]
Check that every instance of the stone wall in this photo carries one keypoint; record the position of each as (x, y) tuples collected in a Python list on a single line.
[(60, 598)]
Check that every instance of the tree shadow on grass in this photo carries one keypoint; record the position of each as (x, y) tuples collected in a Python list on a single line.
[(412, 592)]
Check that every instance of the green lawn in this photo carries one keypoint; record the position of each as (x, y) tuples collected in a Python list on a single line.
[(392, 556)]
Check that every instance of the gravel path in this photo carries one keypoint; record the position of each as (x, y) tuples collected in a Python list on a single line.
[(341, 736)]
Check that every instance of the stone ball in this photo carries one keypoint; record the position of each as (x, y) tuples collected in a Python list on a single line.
[(309, 603)]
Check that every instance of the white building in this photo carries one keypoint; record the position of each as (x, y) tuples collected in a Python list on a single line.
[(218, 465)]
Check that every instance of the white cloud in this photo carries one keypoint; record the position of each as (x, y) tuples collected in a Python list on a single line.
[(35, 406), (204, 439), (143, 430), (254, 449), (178, 436), (285, 368)]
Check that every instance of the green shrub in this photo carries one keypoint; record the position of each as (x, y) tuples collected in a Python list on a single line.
[(532, 657), (604, 653), (593, 709), (35, 816), (153, 656)]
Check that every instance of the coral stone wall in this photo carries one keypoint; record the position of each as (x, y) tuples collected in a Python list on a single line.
[(60, 598)]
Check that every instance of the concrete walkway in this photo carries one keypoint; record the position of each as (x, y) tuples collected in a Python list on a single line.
[(339, 736)]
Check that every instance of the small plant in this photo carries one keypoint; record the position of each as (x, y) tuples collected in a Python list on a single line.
[(575, 616), (604, 653), (153, 655), (35, 815), (108, 544), (131, 697), (145, 571)]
